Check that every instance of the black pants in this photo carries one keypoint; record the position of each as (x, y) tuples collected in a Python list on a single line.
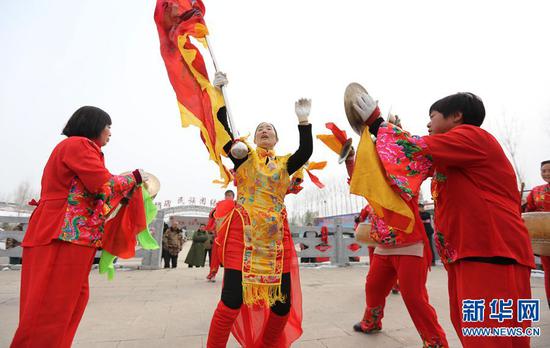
[(209, 253), (232, 292), (167, 258), (431, 239)]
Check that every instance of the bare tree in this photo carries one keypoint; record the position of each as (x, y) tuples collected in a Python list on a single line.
[(510, 130), (334, 199), (293, 220), (23, 194), (308, 217)]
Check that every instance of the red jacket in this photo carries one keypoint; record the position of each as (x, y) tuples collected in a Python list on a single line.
[(477, 203), (77, 193), (539, 198)]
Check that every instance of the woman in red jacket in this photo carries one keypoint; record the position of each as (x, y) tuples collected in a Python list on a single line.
[(65, 231), (480, 236), (539, 200)]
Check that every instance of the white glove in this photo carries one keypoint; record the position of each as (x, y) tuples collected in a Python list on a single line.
[(220, 79), (365, 106), (239, 150), (302, 108)]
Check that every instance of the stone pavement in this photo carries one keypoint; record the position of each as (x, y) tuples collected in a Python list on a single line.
[(172, 308)]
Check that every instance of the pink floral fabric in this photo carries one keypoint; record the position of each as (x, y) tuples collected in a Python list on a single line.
[(380, 232), (407, 165), (404, 158)]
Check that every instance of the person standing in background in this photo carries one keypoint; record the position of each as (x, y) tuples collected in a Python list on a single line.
[(217, 215), (172, 243), (539, 200), (208, 247), (197, 253), (427, 221)]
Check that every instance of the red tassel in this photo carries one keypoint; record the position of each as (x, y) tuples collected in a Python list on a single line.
[(33, 202), (338, 133), (315, 180), (119, 237)]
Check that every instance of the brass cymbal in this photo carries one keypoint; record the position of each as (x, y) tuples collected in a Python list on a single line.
[(346, 149), (152, 184), (353, 90)]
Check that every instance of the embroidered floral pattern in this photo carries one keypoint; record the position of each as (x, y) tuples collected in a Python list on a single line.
[(404, 159), (380, 232), (439, 177), (539, 198), (86, 212), (434, 342), (262, 183), (446, 252), (373, 319), (407, 165), (296, 183), (438, 181)]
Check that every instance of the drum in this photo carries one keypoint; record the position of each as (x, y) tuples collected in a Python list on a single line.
[(538, 225), (362, 234)]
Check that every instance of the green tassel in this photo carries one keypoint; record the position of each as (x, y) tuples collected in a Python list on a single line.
[(106, 264), (145, 239)]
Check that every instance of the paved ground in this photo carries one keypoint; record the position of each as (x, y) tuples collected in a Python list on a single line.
[(172, 308)]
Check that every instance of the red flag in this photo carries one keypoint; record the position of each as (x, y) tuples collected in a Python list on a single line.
[(199, 102)]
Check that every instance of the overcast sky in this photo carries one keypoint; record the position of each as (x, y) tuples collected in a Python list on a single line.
[(59, 55)]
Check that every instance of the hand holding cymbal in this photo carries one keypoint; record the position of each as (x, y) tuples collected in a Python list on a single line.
[(150, 182)]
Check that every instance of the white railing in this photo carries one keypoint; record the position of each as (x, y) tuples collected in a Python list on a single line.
[(338, 250)]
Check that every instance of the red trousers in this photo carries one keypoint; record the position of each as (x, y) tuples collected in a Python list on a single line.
[(371, 256), (54, 294), (545, 260), (486, 281), (412, 272), (214, 260)]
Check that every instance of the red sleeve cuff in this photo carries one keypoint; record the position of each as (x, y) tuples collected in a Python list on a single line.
[(138, 177)]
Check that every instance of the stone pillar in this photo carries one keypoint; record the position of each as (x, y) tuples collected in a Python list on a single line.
[(152, 258)]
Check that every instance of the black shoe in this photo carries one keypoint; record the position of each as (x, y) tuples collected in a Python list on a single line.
[(357, 327)]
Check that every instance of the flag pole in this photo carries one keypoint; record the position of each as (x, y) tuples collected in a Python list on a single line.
[(224, 92)]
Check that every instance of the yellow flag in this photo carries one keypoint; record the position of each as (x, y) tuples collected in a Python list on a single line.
[(369, 180), (331, 141)]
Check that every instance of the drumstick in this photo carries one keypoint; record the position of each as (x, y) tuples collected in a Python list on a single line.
[(521, 197)]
